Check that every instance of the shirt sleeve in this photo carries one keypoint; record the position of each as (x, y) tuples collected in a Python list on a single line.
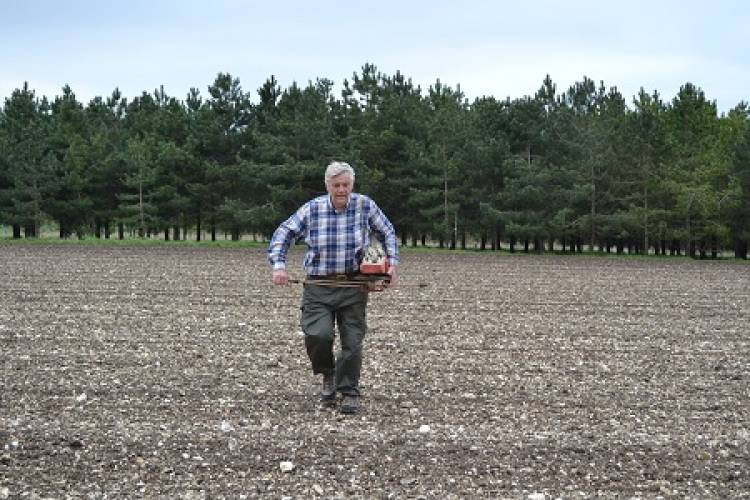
[(380, 223), (287, 232)]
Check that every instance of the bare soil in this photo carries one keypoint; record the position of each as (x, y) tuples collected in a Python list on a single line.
[(168, 372)]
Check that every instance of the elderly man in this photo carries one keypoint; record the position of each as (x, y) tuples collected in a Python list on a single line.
[(336, 229)]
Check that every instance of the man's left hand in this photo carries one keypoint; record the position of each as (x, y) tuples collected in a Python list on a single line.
[(392, 273)]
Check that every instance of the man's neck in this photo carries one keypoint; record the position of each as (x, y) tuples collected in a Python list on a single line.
[(337, 209)]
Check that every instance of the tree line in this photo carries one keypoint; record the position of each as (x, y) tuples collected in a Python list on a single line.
[(559, 170)]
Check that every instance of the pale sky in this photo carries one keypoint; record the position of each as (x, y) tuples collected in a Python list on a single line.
[(498, 48)]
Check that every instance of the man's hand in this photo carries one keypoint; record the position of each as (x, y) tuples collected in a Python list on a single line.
[(280, 277), (392, 273)]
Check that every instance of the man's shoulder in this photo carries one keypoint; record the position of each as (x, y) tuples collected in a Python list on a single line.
[(315, 202), (359, 197), (316, 206), (319, 200)]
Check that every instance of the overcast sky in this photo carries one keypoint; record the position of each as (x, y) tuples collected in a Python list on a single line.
[(493, 48)]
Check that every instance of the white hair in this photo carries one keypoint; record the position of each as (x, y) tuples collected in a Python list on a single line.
[(337, 168)]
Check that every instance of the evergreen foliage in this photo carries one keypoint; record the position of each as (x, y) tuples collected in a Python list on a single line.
[(555, 170)]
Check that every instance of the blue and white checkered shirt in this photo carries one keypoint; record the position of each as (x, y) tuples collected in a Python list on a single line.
[(333, 239)]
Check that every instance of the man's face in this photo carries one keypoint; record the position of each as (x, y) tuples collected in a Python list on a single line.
[(340, 187)]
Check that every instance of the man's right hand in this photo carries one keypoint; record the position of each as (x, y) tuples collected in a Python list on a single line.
[(280, 277)]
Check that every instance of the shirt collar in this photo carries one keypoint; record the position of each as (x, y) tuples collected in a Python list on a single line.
[(348, 203)]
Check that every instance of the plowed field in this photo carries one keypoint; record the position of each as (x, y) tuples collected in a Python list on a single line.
[(168, 372)]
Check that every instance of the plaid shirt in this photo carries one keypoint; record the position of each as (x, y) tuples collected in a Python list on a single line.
[(333, 239)]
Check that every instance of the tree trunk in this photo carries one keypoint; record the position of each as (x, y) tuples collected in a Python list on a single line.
[(176, 233), (16, 231), (455, 230), (645, 215), (166, 234), (512, 244), (445, 198), (140, 207), (740, 249), (198, 227), (592, 212), (120, 231)]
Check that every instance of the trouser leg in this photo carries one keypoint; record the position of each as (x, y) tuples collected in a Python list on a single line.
[(351, 318), (317, 324)]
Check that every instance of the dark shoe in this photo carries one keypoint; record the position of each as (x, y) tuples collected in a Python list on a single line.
[(349, 405), (328, 392)]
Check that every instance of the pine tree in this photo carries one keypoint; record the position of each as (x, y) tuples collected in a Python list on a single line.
[(27, 160)]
